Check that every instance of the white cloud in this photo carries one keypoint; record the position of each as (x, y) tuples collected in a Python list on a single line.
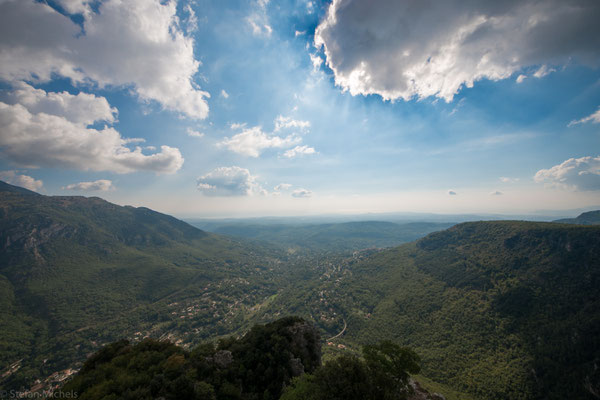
[(496, 193), (224, 94), (235, 126), (135, 43), (302, 193), (194, 133), (299, 33), (43, 133), (282, 122), (575, 174), (505, 179), (82, 108), (101, 185), (406, 49), (252, 141), (543, 71), (229, 181), (452, 193), (259, 27), (521, 78), (299, 150), (593, 118), (14, 178), (282, 187)]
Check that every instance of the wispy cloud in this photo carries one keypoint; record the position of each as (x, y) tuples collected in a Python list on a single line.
[(101, 185), (593, 118), (302, 193), (298, 151)]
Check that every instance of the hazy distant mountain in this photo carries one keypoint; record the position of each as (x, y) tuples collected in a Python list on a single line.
[(331, 237), (587, 218)]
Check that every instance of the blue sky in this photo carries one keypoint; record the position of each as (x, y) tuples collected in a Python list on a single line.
[(249, 108)]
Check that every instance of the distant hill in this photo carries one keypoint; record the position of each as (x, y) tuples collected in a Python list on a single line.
[(499, 309), (76, 272), (332, 237), (587, 218)]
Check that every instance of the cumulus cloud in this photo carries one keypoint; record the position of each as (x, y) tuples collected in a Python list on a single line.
[(135, 43), (26, 181), (50, 130), (506, 179), (496, 193), (451, 192), (521, 78), (299, 150), (229, 181), (593, 118), (406, 49), (302, 193), (252, 141), (101, 185), (574, 174), (83, 108), (224, 94)]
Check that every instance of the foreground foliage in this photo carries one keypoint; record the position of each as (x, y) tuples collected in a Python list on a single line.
[(257, 366)]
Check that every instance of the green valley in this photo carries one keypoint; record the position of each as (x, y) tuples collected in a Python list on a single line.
[(501, 309)]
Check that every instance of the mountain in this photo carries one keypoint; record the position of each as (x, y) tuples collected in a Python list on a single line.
[(499, 309), (587, 218), (331, 237), (76, 272)]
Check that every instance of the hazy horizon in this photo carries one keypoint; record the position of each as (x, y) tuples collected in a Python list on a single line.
[(301, 107)]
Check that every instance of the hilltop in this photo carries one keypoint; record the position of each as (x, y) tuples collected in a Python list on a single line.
[(586, 218)]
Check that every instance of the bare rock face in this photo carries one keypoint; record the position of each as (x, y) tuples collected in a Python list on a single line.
[(419, 393), (305, 344), (296, 366)]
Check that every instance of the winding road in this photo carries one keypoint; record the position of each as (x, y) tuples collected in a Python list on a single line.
[(341, 333)]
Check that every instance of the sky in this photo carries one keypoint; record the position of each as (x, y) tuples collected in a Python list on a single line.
[(202, 108)]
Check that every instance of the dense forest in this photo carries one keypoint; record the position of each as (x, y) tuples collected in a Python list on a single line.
[(503, 309), (497, 309), (279, 360)]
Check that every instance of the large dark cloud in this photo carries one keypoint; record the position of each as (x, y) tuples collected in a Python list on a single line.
[(402, 49)]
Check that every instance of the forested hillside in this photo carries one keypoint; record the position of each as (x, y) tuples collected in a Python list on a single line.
[(78, 272), (587, 218), (497, 309), (281, 359)]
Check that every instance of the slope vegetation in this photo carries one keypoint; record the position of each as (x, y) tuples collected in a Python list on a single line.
[(498, 309), (76, 272)]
